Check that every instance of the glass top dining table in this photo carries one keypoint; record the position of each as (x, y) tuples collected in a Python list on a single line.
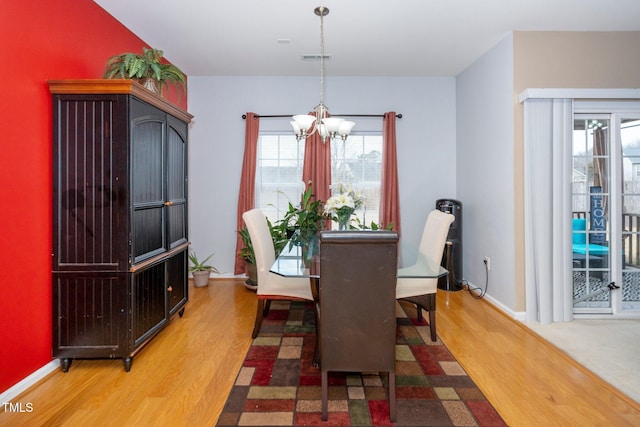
[(290, 264)]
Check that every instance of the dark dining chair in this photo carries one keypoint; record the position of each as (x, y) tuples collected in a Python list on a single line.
[(356, 308)]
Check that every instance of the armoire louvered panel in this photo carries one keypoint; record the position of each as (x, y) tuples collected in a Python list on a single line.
[(147, 168), (119, 253), (148, 128), (176, 276), (88, 184), (148, 232), (176, 151), (176, 182), (177, 223), (149, 302), (91, 314)]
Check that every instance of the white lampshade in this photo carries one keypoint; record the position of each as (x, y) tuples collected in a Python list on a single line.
[(345, 127), (332, 123), (296, 128), (304, 121)]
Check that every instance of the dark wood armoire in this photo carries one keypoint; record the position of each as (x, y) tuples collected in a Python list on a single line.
[(120, 242)]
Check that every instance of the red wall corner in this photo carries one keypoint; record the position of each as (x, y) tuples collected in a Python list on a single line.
[(42, 41)]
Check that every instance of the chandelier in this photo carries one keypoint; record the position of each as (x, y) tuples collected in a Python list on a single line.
[(305, 125)]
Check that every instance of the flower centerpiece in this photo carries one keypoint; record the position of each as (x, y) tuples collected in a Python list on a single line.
[(342, 205)]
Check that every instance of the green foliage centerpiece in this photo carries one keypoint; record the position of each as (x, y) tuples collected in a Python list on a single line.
[(307, 219)]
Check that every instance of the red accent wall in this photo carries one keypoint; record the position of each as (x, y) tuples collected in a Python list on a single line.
[(41, 40)]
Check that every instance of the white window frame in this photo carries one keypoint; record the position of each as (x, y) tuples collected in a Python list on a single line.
[(366, 216)]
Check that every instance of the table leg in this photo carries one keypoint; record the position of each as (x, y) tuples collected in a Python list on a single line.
[(314, 282)]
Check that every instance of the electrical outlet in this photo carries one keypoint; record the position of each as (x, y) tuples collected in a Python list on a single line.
[(487, 262)]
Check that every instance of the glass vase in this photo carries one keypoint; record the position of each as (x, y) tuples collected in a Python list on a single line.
[(343, 220)]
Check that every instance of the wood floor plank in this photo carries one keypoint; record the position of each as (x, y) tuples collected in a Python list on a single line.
[(183, 376), (529, 381)]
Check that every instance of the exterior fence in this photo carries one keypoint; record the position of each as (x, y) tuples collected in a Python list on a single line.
[(630, 237)]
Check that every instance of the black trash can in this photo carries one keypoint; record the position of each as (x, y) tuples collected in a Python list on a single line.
[(452, 257)]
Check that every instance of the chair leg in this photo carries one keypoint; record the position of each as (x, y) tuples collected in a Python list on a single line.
[(267, 306), (259, 315), (325, 394), (316, 351), (392, 396), (428, 303), (432, 324)]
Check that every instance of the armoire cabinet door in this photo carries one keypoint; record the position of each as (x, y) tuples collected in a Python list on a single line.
[(89, 183), (89, 315), (176, 182), (177, 284), (149, 302), (147, 182)]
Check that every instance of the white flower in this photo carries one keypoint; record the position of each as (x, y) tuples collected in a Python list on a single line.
[(347, 198), (339, 201)]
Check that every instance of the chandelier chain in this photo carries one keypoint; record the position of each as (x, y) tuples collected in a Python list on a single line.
[(321, 57), (305, 125)]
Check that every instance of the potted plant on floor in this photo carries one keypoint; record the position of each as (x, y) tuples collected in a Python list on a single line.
[(247, 254), (201, 270), (278, 235), (147, 68)]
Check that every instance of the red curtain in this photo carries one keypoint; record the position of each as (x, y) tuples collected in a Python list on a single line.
[(317, 166), (389, 194), (246, 195)]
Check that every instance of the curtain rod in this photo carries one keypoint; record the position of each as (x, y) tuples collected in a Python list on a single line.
[(244, 116)]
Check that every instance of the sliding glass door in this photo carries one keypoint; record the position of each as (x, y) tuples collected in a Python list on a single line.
[(606, 212), (591, 230), (629, 296)]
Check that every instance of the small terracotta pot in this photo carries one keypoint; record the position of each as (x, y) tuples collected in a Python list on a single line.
[(201, 278)]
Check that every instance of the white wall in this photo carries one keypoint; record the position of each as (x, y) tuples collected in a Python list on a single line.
[(485, 151), (426, 138)]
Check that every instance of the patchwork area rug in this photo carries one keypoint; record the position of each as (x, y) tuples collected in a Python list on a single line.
[(279, 386)]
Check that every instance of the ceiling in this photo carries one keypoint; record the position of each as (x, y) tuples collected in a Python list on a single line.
[(363, 37)]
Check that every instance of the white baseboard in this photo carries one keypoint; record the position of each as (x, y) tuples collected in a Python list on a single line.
[(224, 276), (22, 386), (517, 315)]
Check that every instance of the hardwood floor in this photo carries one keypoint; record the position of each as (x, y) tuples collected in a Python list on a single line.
[(183, 376)]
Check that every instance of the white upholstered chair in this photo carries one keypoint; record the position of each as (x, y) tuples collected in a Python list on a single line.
[(422, 292), (270, 285)]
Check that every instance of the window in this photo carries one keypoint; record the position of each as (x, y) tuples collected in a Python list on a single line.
[(279, 173), (357, 161)]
